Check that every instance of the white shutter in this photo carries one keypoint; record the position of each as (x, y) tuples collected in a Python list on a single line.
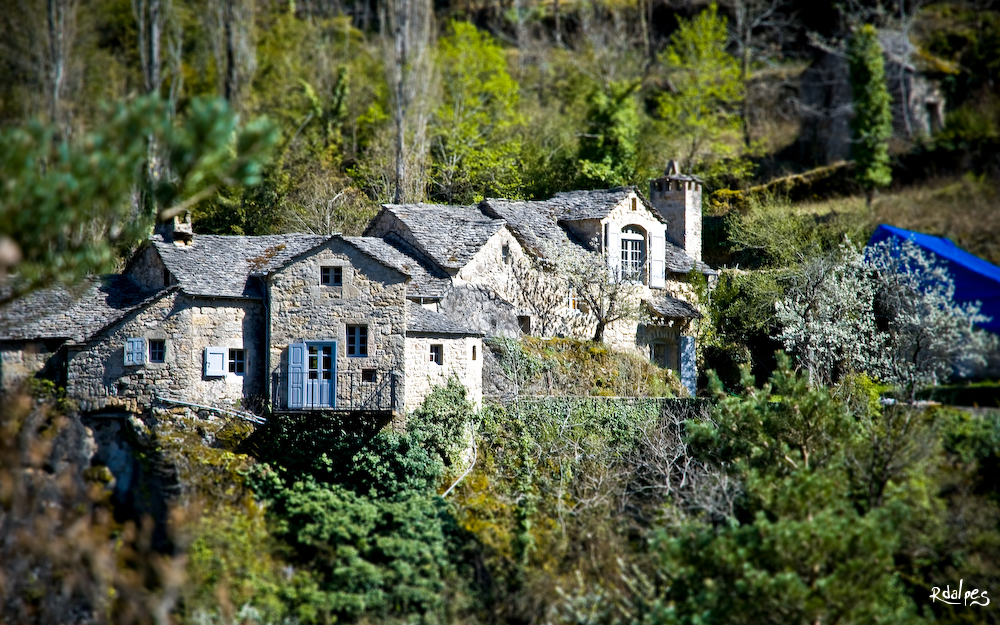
[(215, 362), (614, 253), (657, 261), (135, 351)]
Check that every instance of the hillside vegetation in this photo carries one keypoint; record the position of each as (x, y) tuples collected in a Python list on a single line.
[(587, 490)]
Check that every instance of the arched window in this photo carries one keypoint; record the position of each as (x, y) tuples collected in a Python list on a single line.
[(633, 252)]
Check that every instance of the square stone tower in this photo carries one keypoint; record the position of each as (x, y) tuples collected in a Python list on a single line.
[(677, 197)]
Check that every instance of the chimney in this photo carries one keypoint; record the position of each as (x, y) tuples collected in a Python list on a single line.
[(177, 230), (677, 197)]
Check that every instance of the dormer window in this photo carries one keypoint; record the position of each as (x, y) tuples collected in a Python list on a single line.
[(331, 276), (633, 252)]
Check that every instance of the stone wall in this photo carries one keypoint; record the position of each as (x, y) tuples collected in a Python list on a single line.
[(303, 310), (146, 269), (422, 374), (98, 377), (20, 360)]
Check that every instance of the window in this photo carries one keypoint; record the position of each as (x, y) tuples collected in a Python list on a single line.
[(368, 375), (505, 254), (135, 351), (524, 322), (320, 365), (571, 300), (157, 350), (331, 276), (237, 361), (437, 354), (634, 204), (633, 252), (357, 341), (473, 352)]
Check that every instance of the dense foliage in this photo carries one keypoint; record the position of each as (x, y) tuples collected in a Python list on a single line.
[(871, 125)]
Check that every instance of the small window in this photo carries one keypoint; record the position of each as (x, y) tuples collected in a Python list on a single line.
[(237, 361), (437, 354), (473, 352), (368, 375), (357, 341), (505, 254), (331, 276), (634, 204), (524, 322), (135, 351), (157, 350), (572, 301)]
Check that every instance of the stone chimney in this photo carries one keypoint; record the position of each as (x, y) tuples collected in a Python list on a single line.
[(176, 230), (677, 197)]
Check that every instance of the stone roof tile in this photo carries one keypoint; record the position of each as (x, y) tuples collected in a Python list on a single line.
[(426, 279), (73, 313), (450, 235), (668, 306), (229, 266), (423, 321)]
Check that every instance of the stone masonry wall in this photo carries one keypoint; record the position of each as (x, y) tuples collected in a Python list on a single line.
[(20, 360), (147, 270), (98, 377), (304, 310), (422, 375)]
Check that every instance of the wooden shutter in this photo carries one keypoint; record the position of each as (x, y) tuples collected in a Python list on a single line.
[(135, 351), (657, 260), (215, 362), (296, 375)]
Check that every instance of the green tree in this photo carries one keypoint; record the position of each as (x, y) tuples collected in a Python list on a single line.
[(474, 141), (871, 126), (66, 205), (608, 154), (702, 106), (801, 547)]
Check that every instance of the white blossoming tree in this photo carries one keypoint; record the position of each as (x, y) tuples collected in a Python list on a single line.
[(887, 311)]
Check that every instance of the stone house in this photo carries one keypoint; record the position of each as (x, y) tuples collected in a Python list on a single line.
[(297, 322), (307, 322)]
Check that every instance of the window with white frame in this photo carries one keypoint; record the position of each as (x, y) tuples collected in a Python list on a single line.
[(357, 341), (237, 361), (437, 354), (633, 252)]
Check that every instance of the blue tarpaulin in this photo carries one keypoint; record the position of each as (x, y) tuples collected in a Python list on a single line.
[(975, 279)]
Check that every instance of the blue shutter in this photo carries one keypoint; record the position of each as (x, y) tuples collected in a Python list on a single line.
[(689, 364), (215, 362), (296, 375), (657, 258), (135, 351)]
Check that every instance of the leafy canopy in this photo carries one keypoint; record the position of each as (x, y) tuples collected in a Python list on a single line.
[(703, 105), (475, 141), (608, 155), (67, 204)]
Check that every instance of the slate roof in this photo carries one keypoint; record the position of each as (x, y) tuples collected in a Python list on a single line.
[(450, 235), (73, 313), (423, 321), (593, 204), (677, 261), (535, 224), (426, 280), (227, 266), (668, 306)]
